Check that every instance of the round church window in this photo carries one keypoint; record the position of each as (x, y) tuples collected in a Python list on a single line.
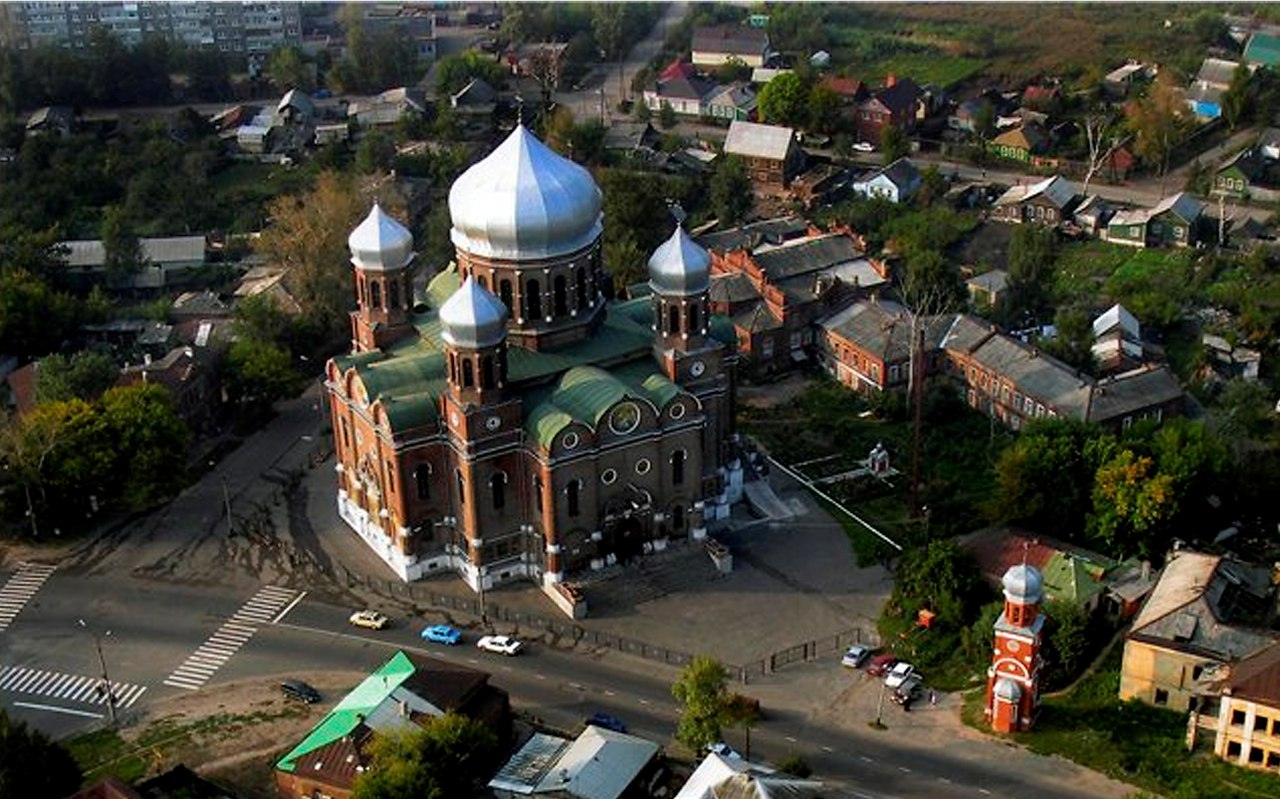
[(625, 418), (570, 440), (677, 411), (643, 466), (608, 476)]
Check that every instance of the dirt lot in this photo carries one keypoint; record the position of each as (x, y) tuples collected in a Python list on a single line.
[(231, 734)]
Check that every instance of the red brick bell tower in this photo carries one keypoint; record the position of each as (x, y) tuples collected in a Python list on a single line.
[(1013, 681)]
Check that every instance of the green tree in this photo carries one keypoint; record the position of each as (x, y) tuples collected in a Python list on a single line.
[(34, 319), (894, 143), (1045, 478), (287, 70), (823, 109), (783, 100), (122, 247), (730, 190), (258, 373), (1066, 641), (1131, 500), (1033, 251), (625, 262), (667, 115), (1244, 414), (703, 693), (930, 284), (84, 375), (442, 760), (33, 765), (145, 424), (375, 152), (1237, 100), (1073, 343), (642, 111), (941, 577)]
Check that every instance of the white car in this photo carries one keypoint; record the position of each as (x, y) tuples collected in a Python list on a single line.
[(724, 750), (501, 644), (855, 656), (865, 147), (899, 674), (368, 618)]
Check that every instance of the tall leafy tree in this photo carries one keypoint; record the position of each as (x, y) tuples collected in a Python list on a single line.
[(730, 190), (941, 577), (443, 760), (1158, 121), (122, 246), (1131, 500), (703, 693), (33, 765), (1032, 253), (34, 319), (287, 70), (784, 100), (146, 428), (308, 236), (84, 375), (1237, 100)]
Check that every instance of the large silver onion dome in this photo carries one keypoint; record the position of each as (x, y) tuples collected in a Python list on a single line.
[(1023, 583), (472, 317), (380, 242), (524, 202), (679, 266)]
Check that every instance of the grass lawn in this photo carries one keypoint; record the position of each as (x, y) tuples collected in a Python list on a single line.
[(941, 69), (827, 421), (104, 753), (1130, 741), (1153, 284)]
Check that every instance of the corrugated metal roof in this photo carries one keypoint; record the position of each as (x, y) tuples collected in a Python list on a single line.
[(754, 140), (528, 766), (600, 764), (88, 254)]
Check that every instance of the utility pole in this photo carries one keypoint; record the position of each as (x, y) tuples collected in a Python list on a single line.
[(102, 661)]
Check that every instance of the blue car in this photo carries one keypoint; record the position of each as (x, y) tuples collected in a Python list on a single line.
[(608, 722), (442, 634)]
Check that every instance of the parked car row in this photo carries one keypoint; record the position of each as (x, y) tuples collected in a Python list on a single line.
[(899, 675)]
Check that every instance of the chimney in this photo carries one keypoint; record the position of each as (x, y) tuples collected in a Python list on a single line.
[(890, 81), (1146, 570)]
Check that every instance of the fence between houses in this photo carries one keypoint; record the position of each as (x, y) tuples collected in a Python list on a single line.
[(816, 649)]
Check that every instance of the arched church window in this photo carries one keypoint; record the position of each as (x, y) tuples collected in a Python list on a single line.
[(504, 294), (693, 319), (375, 293), (468, 373), (422, 479), (533, 299), (498, 489), (393, 295), (677, 467), (581, 287), (462, 487), (673, 320), (561, 296), (574, 497), (486, 372)]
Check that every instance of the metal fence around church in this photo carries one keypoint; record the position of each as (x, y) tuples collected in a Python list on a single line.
[(825, 648)]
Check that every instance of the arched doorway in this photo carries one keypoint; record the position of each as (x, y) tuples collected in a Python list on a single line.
[(626, 525)]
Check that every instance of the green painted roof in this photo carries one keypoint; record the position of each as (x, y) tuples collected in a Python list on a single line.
[(586, 392), (1072, 579), (722, 330), (1263, 49), (353, 708)]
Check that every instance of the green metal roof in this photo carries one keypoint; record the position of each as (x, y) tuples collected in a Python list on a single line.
[(1072, 579), (1263, 49), (722, 330), (586, 392), (353, 709)]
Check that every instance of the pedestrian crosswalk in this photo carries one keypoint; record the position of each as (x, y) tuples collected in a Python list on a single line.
[(19, 589), (67, 687), (265, 605)]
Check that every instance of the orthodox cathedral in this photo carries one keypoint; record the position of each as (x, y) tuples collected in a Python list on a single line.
[(510, 422)]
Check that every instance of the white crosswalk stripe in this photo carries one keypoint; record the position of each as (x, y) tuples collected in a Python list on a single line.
[(20, 587), (67, 687), (234, 633)]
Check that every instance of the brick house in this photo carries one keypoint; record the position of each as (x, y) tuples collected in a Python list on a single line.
[(1048, 202), (896, 105), (770, 153), (775, 294), (404, 693), (999, 375)]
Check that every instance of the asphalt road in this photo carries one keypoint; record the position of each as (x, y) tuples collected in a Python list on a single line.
[(155, 626)]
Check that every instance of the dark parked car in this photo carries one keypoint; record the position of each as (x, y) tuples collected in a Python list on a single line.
[(608, 722), (297, 689), (880, 664)]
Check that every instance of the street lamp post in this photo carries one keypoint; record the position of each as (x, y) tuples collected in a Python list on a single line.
[(102, 661)]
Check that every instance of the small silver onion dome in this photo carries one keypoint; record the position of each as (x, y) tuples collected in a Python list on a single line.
[(472, 317), (1023, 583), (380, 242), (680, 266), (523, 202), (1007, 689)]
